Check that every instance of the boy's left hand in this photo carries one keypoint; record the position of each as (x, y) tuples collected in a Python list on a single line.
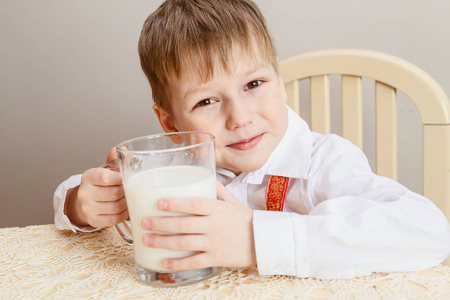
[(221, 230)]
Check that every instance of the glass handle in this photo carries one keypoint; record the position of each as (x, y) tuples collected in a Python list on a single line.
[(123, 229)]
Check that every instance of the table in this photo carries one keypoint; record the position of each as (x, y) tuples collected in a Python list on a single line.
[(41, 262)]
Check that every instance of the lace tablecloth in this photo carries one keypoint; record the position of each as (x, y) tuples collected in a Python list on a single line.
[(40, 262)]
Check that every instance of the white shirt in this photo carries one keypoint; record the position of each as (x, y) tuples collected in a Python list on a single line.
[(340, 220)]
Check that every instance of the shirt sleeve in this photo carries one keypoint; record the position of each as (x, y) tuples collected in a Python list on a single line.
[(360, 223), (59, 197)]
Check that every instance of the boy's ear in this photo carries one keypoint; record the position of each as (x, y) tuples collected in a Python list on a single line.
[(165, 119)]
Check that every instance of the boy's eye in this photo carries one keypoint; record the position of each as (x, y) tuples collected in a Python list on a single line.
[(253, 84), (205, 102)]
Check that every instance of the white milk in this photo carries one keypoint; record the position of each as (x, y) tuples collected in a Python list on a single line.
[(144, 189)]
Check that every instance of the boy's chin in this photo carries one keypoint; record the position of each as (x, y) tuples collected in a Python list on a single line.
[(249, 167)]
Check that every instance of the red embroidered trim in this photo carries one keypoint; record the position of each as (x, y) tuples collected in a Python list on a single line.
[(276, 192)]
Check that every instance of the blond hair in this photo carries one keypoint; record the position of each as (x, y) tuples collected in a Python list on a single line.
[(195, 34)]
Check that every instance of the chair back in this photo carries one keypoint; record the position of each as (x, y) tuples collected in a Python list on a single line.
[(390, 74)]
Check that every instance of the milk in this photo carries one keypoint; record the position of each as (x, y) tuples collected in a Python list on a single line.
[(144, 189)]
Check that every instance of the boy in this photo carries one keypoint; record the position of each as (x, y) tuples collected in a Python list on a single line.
[(212, 67)]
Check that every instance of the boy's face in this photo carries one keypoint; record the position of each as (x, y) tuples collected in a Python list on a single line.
[(244, 109)]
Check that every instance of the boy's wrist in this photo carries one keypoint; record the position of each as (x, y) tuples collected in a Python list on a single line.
[(72, 208)]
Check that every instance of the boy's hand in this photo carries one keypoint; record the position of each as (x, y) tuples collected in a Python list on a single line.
[(221, 230), (99, 200)]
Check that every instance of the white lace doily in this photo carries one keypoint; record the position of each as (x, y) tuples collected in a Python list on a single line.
[(40, 262)]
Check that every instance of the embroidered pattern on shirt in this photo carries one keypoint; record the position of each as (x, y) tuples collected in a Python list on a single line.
[(276, 192)]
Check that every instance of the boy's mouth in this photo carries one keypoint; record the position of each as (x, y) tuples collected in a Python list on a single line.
[(246, 144)]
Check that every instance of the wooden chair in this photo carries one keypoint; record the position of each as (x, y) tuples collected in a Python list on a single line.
[(390, 74)]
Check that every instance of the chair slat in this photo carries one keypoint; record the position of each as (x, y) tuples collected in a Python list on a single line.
[(352, 112), (386, 132), (436, 165), (293, 95), (320, 104)]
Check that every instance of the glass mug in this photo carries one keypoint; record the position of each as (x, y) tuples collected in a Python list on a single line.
[(180, 164)]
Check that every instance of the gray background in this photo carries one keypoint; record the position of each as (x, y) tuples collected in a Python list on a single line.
[(71, 85)]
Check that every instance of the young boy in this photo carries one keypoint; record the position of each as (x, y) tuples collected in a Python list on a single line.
[(213, 67)]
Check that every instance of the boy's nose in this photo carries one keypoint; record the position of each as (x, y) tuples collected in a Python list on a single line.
[(239, 115)]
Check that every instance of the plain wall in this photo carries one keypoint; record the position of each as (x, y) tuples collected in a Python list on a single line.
[(71, 86)]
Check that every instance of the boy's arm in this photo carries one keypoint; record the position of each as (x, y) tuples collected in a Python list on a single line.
[(62, 221), (360, 223)]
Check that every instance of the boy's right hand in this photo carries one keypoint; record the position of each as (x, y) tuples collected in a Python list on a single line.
[(99, 201)]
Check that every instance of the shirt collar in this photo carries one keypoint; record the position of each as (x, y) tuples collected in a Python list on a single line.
[(291, 158)]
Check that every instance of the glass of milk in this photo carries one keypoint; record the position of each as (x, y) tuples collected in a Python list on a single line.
[(180, 164)]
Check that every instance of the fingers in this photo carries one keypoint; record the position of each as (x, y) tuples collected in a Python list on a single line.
[(101, 198), (111, 207), (221, 230), (101, 177), (112, 165), (197, 261), (191, 242), (110, 193), (100, 193), (108, 220), (106, 213), (112, 154), (221, 190), (194, 206), (224, 194), (184, 225)]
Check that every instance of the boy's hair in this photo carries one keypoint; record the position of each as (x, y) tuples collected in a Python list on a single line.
[(195, 34)]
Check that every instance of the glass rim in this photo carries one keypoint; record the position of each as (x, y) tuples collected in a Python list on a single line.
[(166, 134)]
